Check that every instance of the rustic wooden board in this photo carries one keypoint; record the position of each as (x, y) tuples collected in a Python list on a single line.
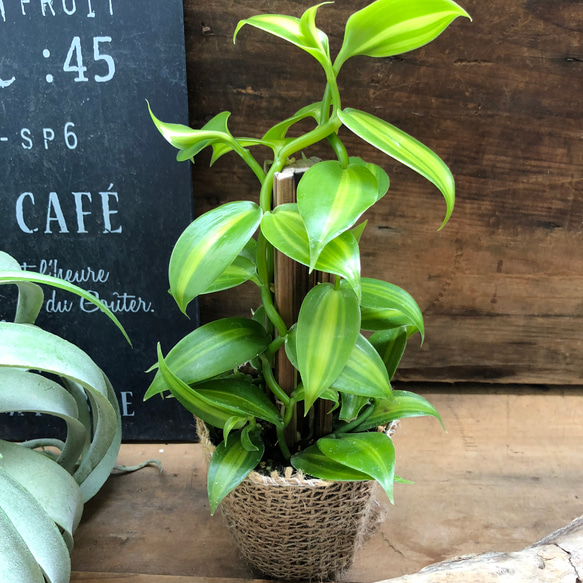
[(508, 472), (499, 100)]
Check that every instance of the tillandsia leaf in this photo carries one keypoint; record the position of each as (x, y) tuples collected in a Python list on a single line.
[(351, 406), (103, 451), (212, 349), (314, 463), (391, 27), (403, 404), (390, 344), (385, 305), (30, 295), (20, 277), (230, 464), (29, 392), (208, 246), (16, 552), (290, 29), (327, 329), (331, 199), (365, 373), (371, 453), (193, 401), (36, 529), (285, 230), (54, 489), (404, 148), (27, 347)]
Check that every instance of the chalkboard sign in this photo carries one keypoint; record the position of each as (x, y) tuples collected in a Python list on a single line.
[(89, 191)]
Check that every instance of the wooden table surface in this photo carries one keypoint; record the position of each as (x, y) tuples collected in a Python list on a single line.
[(508, 471)]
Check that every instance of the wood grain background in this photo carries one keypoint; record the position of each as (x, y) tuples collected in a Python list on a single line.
[(500, 100)]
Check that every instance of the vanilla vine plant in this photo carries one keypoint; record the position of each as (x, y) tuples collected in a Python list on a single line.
[(335, 361)]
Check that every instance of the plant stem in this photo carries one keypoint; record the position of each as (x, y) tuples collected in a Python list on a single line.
[(272, 383), (356, 422)]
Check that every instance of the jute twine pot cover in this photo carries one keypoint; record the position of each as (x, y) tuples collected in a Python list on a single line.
[(289, 527)]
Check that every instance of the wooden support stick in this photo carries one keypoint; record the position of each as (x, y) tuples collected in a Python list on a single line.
[(557, 558)]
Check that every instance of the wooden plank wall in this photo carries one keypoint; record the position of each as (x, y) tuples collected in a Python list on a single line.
[(500, 99)]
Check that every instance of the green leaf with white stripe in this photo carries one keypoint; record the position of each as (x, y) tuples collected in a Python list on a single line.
[(351, 406), (331, 199), (370, 453), (404, 148), (401, 405), (392, 27), (385, 305), (242, 269), (230, 464), (365, 373), (207, 248), (211, 350), (285, 230), (327, 329), (314, 463), (300, 32), (195, 403), (390, 344)]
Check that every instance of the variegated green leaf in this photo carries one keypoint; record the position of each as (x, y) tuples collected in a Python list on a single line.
[(241, 270), (402, 404), (230, 464), (404, 148), (194, 402), (208, 246), (331, 199), (285, 230), (390, 344), (385, 305), (309, 29), (314, 463), (391, 27), (351, 406), (213, 349), (289, 28), (276, 135), (327, 329), (193, 141), (370, 453), (365, 373), (381, 176)]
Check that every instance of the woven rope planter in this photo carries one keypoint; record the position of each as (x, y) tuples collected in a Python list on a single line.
[(293, 528)]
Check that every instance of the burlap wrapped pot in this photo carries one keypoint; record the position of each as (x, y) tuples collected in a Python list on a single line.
[(289, 527)]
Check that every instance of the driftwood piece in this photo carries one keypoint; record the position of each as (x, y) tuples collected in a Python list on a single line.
[(557, 558)]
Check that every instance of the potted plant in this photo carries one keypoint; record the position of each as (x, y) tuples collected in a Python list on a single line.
[(44, 483), (320, 429)]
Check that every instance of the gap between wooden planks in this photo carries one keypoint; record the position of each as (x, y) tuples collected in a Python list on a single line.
[(507, 473)]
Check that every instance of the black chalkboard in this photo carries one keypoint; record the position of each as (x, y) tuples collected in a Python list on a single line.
[(89, 190)]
